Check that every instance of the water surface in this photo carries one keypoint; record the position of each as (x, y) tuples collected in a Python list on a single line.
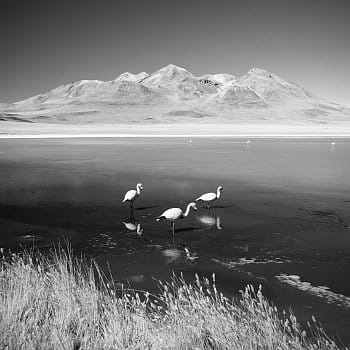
[(283, 220)]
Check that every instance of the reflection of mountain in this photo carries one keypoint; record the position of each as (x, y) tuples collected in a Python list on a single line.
[(174, 94), (210, 221)]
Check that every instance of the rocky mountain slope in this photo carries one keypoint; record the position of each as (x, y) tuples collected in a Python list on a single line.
[(173, 94)]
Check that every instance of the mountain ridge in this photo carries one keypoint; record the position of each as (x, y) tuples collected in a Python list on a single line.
[(255, 79), (172, 93)]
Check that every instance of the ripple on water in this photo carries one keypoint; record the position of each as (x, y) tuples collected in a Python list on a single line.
[(136, 278), (320, 291), (247, 261), (30, 238)]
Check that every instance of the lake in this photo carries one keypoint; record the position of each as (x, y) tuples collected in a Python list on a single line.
[(283, 220)]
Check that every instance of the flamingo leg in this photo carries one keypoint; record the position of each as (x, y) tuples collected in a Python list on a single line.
[(173, 227)]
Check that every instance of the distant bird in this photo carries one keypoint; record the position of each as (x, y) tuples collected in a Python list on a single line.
[(248, 142), (210, 196), (190, 141), (173, 214), (190, 256), (333, 143), (131, 195), (134, 226)]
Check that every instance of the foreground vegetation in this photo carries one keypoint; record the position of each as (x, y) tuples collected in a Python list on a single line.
[(60, 302)]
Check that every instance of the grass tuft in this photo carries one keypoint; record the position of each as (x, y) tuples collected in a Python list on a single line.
[(62, 302)]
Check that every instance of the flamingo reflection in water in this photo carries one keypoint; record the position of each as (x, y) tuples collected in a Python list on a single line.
[(210, 221), (133, 225)]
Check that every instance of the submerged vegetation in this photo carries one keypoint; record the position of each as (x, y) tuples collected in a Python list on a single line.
[(61, 302)]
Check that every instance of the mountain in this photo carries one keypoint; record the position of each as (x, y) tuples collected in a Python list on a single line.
[(173, 94), (264, 91), (271, 87), (170, 74), (260, 89), (177, 83), (118, 91)]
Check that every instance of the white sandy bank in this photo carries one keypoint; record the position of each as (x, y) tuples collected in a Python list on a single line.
[(251, 130)]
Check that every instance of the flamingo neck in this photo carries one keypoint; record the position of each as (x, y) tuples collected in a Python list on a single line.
[(218, 193), (138, 190), (188, 208)]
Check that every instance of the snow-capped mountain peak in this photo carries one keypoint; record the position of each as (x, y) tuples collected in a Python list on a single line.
[(258, 71), (168, 74), (127, 76)]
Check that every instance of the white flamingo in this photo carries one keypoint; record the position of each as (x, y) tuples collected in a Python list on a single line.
[(210, 196), (173, 214), (132, 195)]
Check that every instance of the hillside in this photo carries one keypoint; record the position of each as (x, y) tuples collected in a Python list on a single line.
[(174, 95)]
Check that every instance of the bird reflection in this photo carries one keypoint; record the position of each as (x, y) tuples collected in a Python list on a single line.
[(210, 221), (190, 256), (133, 225), (171, 255)]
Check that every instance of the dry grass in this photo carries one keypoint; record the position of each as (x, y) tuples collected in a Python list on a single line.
[(57, 302)]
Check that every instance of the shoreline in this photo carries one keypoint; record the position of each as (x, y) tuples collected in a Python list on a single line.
[(114, 318), (257, 130), (236, 136)]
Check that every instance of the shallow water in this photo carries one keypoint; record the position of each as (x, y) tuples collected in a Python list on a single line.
[(283, 220)]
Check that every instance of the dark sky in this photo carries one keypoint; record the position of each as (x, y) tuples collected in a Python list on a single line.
[(47, 43)]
